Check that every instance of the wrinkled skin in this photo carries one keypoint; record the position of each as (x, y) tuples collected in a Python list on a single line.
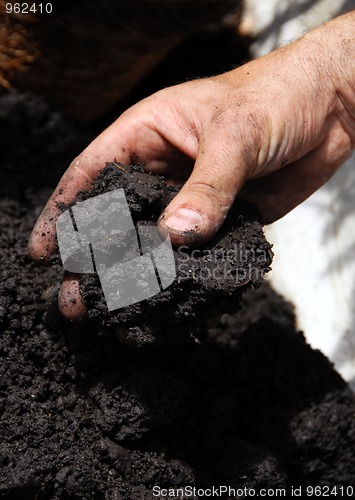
[(273, 130)]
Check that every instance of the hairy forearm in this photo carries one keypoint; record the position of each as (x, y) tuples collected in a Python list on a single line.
[(335, 42)]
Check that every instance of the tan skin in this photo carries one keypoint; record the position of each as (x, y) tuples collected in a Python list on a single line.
[(272, 131)]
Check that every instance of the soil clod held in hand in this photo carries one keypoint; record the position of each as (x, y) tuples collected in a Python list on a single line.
[(210, 279)]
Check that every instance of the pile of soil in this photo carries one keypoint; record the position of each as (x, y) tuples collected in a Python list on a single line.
[(84, 416)]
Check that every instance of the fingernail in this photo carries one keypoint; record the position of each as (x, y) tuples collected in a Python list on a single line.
[(184, 219)]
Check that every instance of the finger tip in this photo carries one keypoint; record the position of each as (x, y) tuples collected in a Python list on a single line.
[(70, 303), (32, 248), (36, 251), (42, 243)]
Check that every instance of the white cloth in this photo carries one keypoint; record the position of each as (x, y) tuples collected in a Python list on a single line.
[(314, 245)]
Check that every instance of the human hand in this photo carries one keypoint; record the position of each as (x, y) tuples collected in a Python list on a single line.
[(273, 130)]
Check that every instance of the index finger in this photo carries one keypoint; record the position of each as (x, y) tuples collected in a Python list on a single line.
[(79, 177)]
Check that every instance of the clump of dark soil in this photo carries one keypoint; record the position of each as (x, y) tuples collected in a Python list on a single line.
[(209, 280)]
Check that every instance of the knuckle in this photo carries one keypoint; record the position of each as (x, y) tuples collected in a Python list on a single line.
[(212, 191)]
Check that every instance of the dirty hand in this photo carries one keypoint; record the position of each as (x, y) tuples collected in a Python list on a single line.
[(273, 130)]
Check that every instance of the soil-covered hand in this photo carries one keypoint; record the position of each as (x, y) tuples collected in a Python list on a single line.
[(272, 131)]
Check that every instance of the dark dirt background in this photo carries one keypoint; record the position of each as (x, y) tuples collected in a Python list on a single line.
[(83, 416)]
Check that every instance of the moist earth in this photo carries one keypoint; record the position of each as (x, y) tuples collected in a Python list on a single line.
[(84, 416), (209, 280)]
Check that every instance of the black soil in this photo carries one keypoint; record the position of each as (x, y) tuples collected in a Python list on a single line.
[(84, 416), (209, 280)]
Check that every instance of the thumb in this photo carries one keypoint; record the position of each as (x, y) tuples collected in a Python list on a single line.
[(199, 209)]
